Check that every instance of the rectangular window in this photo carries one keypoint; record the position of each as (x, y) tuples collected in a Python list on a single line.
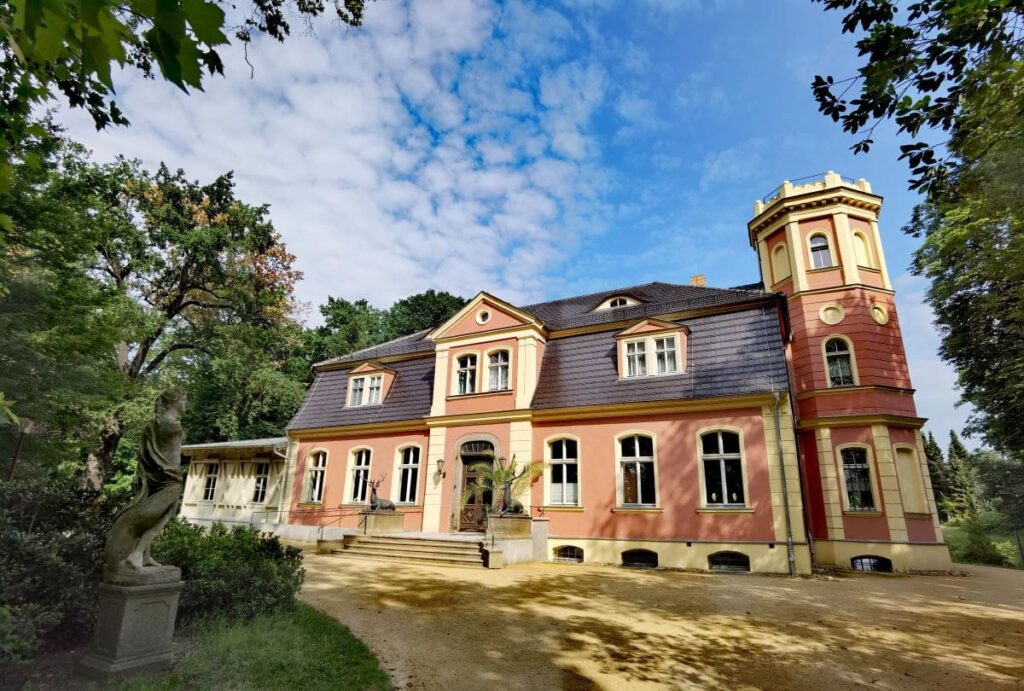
[(857, 474), (467, 374), (636, 358), (498, 371), (723, 469), (317, 470), (565, 482), (357, 391), (360, 475), (210, 489), (259, 493), (665, 354), (408, 473), (373, 397), (636, 460)]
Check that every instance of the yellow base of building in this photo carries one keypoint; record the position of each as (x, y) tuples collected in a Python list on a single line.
[(904, 557)]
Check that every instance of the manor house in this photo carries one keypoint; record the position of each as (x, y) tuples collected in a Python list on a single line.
[(765, 427)]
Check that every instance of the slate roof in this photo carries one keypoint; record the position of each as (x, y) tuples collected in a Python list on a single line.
[(269, 442), (655, 298), (408, 399), (728, 354)]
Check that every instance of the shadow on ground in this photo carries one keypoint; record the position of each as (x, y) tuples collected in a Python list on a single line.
[(556, 626)]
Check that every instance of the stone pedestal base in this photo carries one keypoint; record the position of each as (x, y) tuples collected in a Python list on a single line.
[(380, 522), (509, 527), (134, 631)]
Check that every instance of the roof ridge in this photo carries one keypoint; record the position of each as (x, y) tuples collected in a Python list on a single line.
[(613, 291), (354, 353)]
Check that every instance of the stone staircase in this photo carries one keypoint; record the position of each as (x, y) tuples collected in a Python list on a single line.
[(453, 550)]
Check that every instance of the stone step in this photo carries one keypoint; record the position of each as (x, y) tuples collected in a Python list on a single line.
[(438, 542), (470, 549), (395, 555)]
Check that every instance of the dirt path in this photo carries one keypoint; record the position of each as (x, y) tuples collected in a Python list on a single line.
[(547, 626)]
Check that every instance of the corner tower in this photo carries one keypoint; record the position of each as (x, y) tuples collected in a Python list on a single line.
[(869, 496)]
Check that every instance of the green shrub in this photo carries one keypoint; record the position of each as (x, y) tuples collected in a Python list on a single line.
[(236, 573), (51, 549), (977, 547)]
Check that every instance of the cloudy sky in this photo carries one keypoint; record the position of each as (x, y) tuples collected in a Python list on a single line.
[(532, 149)]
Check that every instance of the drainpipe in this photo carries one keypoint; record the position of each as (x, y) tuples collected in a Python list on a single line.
[(790, 552)]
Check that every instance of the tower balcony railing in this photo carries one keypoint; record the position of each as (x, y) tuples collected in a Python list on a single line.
[(809, 183)]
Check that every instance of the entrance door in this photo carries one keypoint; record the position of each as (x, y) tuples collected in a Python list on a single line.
[(474, 513)]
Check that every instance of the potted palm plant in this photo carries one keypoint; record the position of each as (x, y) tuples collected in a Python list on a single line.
[(512, 480)]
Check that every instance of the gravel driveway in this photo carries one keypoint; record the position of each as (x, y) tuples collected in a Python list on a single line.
[(549, 626)]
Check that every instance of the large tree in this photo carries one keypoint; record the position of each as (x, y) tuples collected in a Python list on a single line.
[(963, 480), (922, 59), (939, 473), (1002, 479)]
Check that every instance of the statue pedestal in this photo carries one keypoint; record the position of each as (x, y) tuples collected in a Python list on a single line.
[(134, 631), (381, 522), (509, 526)]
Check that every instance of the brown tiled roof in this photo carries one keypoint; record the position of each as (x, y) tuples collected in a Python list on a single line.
[(728, 354), (655, 298), (408, 399)]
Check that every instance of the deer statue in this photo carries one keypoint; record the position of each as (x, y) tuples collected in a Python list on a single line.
[(376, 503)]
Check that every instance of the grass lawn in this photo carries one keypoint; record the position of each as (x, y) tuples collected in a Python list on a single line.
[(301, 649), (1004, 542)]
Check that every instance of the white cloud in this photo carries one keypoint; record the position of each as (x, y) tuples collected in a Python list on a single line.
[(698, 92), (731, 165), (446, 145)]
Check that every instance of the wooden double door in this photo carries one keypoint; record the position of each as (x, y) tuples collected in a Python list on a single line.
[(473, 517)]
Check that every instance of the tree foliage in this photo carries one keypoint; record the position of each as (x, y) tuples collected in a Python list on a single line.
[(939, 472), (921, 61)]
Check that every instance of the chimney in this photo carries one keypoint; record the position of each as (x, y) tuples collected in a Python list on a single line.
[(699, 280)]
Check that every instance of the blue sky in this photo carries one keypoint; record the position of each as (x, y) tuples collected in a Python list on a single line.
[(535, 150)]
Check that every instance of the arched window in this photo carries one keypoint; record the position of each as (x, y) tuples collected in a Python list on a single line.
[(636, 469), (821, 255), (360, 474), (780, 262), (640, 558), (618, 302), (408, 475), (568, 554), (839, 362), (466, 376), (564, 481), (857, 479), (723, 469), (862, 250), (497, 371), (317, 471), (870, 562), (729, 562), (908, 472)]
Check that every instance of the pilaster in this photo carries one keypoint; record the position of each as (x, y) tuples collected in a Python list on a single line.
[(889, 484), (520, 446), (789, 463), (435, 483), (798, 267), (847, 256), (437, 407), (880, 255), (829, 484)]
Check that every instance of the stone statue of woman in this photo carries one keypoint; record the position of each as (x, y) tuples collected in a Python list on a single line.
[(158, 484)]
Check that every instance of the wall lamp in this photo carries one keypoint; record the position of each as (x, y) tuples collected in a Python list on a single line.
[(440, 467)]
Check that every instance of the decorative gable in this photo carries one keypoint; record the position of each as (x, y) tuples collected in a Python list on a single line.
[(651, 347), (482, 314)]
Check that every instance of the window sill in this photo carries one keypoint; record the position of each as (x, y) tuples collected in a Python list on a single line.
[(638, 509), (824, 268), (478, 394), (873, 512), (365, 405), (725, 509), (559, 507), (353, 506), (310, 503), (641, 377), (917, 514)]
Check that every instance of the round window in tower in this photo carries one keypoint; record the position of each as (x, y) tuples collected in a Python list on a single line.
[(483, 316), (832, 314), (879, 314)]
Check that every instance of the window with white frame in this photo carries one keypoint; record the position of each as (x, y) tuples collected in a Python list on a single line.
[(723, 469), (857, 478), (366, 390), (210, 488), (466, 374), (564, 487), (636, 466), (636, 358), (317, 471), (821, 255), (360, 475), (665, 354), (839, 360), (497, 371), (262, 475), (408, 475)]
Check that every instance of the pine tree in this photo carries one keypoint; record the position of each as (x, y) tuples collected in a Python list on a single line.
[(939, 472), (963, 483)]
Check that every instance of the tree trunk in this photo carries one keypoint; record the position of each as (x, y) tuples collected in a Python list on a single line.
[(97, 463), (1020, 546)]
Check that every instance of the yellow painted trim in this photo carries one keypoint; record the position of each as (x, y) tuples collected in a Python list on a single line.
[(371, 366), (848, 389), (487, 336), (478, 418), (638, 509), (863, 420), (724, 511), (811, 203), (355, 430), (651, 407), (780, 273)]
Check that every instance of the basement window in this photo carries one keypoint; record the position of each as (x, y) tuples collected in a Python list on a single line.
[(640, 559), (729, 562), (870, 562), (568, 554)]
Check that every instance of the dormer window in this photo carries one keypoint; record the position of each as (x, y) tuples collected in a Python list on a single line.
[(365, 390), (636, 358), (652, 347), (466, 374), (617, 301), (665, 355)]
